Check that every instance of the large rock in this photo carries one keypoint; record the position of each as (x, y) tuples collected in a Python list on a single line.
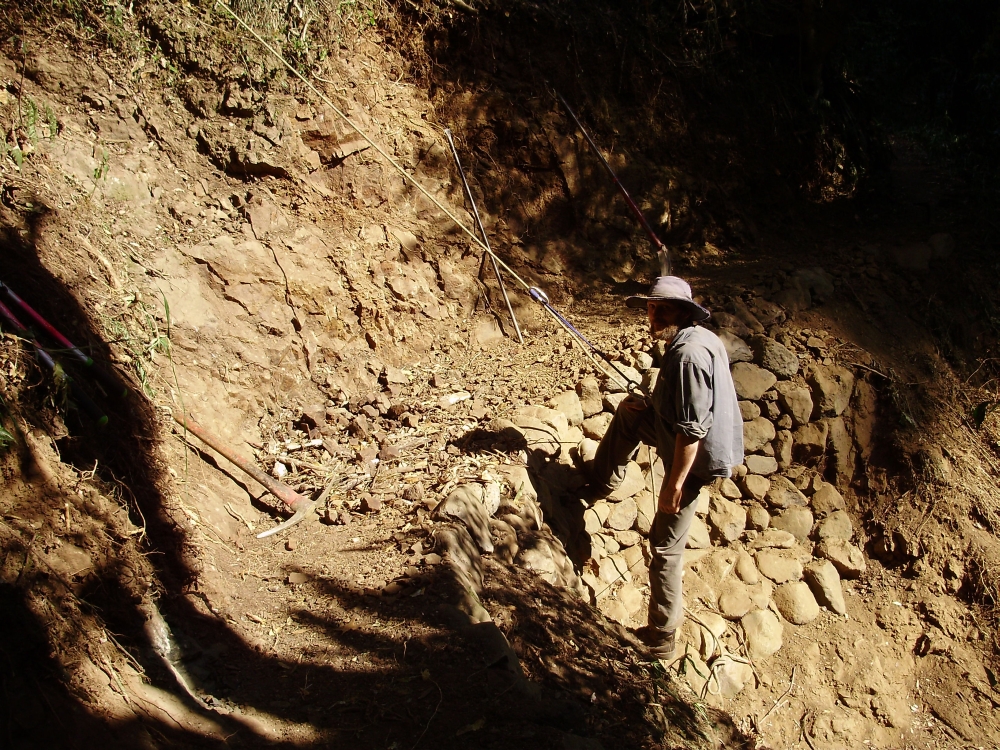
[(752, 381), (757, 433), (823, 578), (840, 448), (698, 537), (587, 450), (835, 527), (758, 517), (615, 385), (763, 633), (797, 521), (774, 356), (846, 558), (783, 494), (728, 519), (568, 403), (543, 553), (731, 324), (466, 504), (594, 427), (761, 465), (743, 312), (796, 603), (783, 444), (746, 569), (826, 499), (736, 347), (796, 400), (734, 599), (623, 515), (709, 629), (756, 486), (591, 400), (831, 387), (774, 539), (634, 482), (810, 441), (729, 489), (646, 503), (779, 567)]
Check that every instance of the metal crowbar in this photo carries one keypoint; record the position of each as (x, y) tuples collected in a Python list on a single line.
[(300, 505)]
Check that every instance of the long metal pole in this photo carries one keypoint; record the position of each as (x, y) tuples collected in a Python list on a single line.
[(482, 231), (661, 249)]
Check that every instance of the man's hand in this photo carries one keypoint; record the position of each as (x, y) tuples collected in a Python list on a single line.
[(670, 499), (685, 450), (634, 402)]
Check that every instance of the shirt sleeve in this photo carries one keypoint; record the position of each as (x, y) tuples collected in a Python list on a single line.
[(694, 401)]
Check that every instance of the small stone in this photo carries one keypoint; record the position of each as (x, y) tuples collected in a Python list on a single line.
[(836, 526), (370, 504), (784, 422), (391, 589), (796, 603), (757, 517), (698, 537), (823, 578), (344, 518), (826, 499), (704, 501), (432, 559), (756, 486), (797, 520), (414, 492), (587, 450), (779, 567), (646, 503), (749, 410), (783, 443), (729, 489), (783, 494), (751, 381), (727, 518), (763, 633), (602, 508), (746, 569), (709, 628), (761, 465), (290, 544), (409, 420), (774, 539), (359, 427), (623, 514), (591, 521)]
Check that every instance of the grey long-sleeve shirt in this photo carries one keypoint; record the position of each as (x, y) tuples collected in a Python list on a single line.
[(694, 396)]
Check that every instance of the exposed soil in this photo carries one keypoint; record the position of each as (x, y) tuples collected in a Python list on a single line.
[(231, 249)]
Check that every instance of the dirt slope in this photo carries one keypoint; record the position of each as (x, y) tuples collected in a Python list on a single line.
[(226, 246)]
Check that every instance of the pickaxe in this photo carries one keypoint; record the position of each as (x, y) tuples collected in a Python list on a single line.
[(299, 504)]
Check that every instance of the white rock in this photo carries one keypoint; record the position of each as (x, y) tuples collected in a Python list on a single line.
[(727, 518), (848, 559), (836, 526), (757, 433), (756, 486), (622, 515), (797, 520), (729, 489), (826, 499), (761, 465), (698, 537), (596, 426), (822, 577), (779, 567), (751, 381), (774, 539), (796, 603), (746, 569), (783, 494), (763, 633), (634, 482)]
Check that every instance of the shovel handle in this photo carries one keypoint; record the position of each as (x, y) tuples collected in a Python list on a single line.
[(280, 490)]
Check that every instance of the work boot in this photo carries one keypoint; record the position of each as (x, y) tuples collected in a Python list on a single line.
[(660, 644)]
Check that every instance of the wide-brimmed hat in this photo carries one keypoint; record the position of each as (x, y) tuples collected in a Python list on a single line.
[(673, 289)]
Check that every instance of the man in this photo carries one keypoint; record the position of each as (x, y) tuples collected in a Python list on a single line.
[(693, 419)]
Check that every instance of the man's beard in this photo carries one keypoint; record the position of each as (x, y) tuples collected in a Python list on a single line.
[(667, 333)]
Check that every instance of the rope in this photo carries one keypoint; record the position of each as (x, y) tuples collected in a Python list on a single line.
[(534, 292)]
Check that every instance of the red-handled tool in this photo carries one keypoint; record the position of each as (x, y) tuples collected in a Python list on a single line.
[(301, 505)]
